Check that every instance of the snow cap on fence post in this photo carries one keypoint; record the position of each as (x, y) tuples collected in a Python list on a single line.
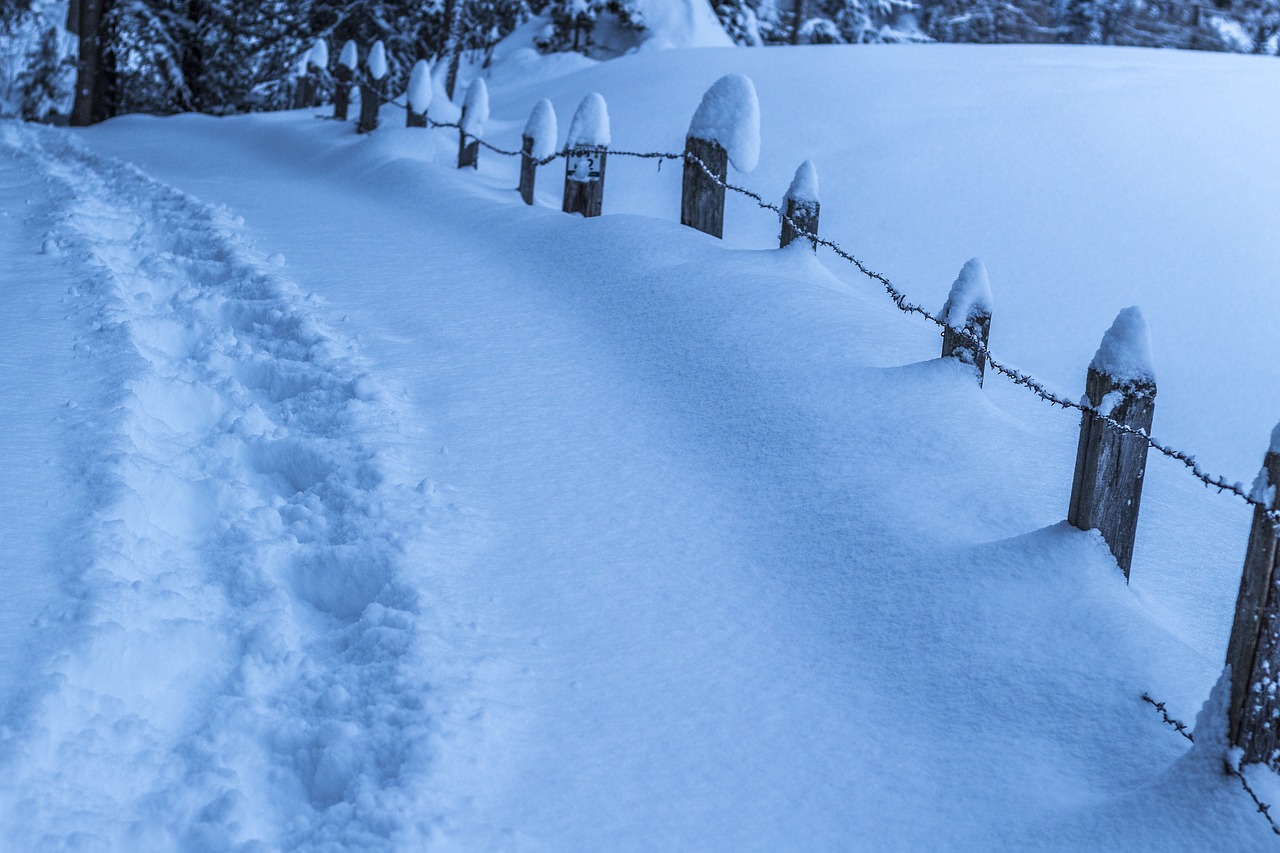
[(801, 206), (418, 96), (1253, 652), (475, 112), (318, 56), (1106, 492), (587, 152), (967, 314), (350, 56), (377, 61), (537, 143), (730, 115), (348, 61), (726, 126)]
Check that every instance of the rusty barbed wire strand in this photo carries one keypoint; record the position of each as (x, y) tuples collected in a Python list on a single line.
[(1185, 730), (1013, 374)]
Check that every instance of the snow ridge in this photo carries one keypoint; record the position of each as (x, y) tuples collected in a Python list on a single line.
[(249, 538)]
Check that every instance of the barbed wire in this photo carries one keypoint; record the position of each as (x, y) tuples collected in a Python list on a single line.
[(1185, 730), (1017, 377)]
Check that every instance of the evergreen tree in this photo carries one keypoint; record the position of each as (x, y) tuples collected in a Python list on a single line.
[(574, 21)]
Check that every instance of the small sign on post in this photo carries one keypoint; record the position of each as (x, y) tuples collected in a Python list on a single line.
[(1253, 653), (1110, 464)]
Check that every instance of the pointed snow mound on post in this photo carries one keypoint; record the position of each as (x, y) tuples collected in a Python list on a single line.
[(378, 60), (590, 125), (1125, 351), (967, 315), (587, 147), (475, 110), (318, 56), (350, 56), (419, 94), (729, 115), (541, 129), (801, 206)]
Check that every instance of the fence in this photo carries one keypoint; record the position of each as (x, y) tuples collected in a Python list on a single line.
[(1115, 416)]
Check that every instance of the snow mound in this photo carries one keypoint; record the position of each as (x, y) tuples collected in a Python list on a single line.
[(730, 115), (420, 87), (378, 60), (679, 24), (1125, 352), (541, 128), (804, 186), (350, 56), (475, 108), (970, 295), (590, 125), (318, 56)]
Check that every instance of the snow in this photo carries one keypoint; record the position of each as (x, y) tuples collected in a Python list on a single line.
[(590, 125), (476, 108), (350, 56), (804, 186), (970, 296), (378, 60), (478, 526), (318, 57), (541, 128), (419, 93), (730, 115), (1125, 351)]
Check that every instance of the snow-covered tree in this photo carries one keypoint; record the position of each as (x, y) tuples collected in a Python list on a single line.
[(861, 22), (573, 22)]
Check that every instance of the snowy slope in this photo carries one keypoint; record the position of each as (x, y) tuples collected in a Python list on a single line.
[(725, 559)]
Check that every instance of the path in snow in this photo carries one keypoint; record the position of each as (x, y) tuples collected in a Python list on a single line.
[(243, 636)]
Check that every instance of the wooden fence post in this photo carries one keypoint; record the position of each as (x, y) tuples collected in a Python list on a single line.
[(1107, 489), (343, 76), (418, 97), (475, 112), (967, 314), (702, 194), (306, 91), (537, 143), (801, 206), (1253, 653), (588, 152), (725, 127), (370, 100)]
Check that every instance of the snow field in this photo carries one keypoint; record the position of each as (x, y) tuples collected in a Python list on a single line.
[(244, 659)]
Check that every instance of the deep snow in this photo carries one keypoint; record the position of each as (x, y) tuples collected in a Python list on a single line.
[(527, 531)]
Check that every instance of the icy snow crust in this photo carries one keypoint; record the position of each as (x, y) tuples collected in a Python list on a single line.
[(730, 115), (725, 549), (1125, 351), (420, 87), (804, 186), (590, 125), (541, 128), (970, 295), (476, 108)]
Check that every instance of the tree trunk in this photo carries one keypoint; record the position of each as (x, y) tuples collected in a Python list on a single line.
[(453, 43), (94, 86)]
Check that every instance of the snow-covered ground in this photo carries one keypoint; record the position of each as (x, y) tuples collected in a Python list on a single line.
[(353, 504)]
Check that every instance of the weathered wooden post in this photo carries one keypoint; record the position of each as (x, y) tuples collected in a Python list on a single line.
[(801, 206), (587, 148), (1253, 653), (343, 76), (307, 91), (370, 98), (538, 143), (1110, 464), (475, 112), (419, 95), (967, 313), (725, 127)]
